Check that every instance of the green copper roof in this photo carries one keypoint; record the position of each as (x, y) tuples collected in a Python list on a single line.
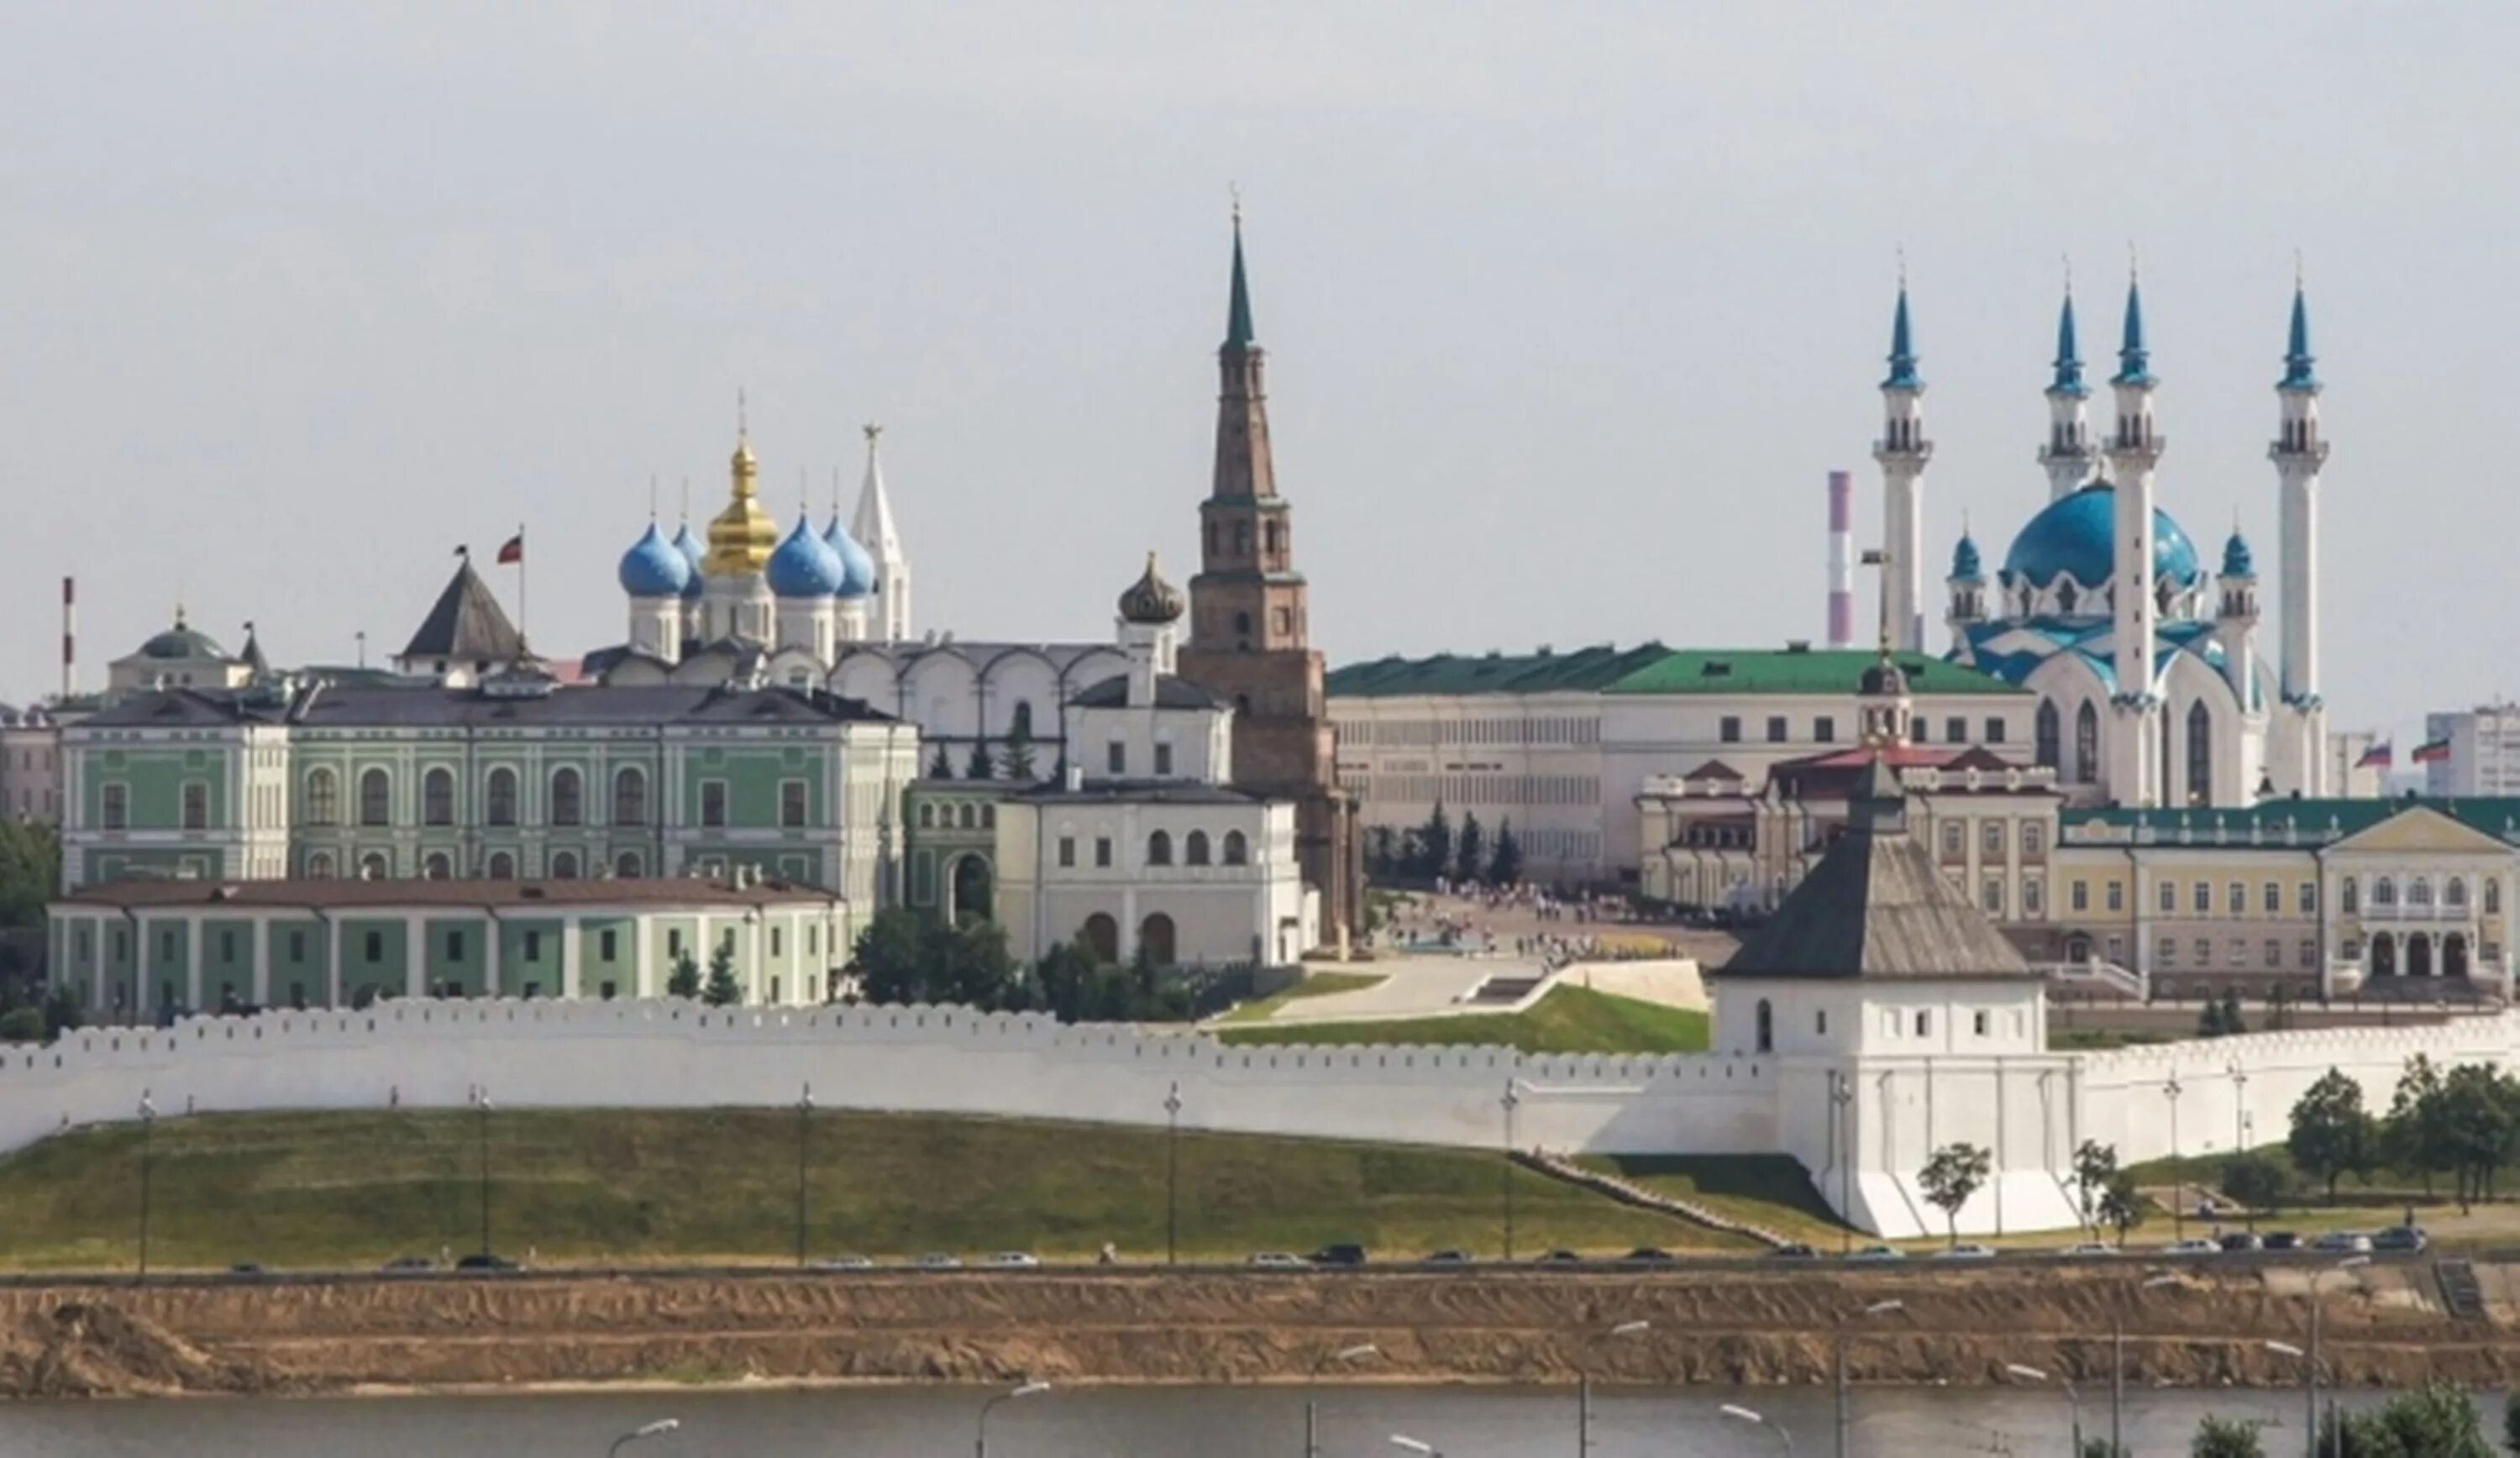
[(1652, 668), (1238, 313), (2306, 822)]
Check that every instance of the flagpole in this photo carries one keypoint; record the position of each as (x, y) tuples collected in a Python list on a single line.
[(524, 641)]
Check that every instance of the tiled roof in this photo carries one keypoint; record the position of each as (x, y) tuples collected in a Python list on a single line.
[(467, 624), (2277, 822)]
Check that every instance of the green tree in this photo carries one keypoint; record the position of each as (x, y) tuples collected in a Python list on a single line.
[(2415, 1136), (940, 768), (2331, 1131), (684, 980), (2258, 1181), (23, 1025), (2209, 1020), (1955, 1173), (723, 991), (2233, 1022), (981, 766), (2101, 1448), (890, 956), (1434, 845), (61, 1011), (2121, 1205), (30, 871), (2095, 1165), (1020, 751), (2437, 1420), (2511, 1422), (1504, 864), (1469, 850), (2481, 1120), (2226, 1437)]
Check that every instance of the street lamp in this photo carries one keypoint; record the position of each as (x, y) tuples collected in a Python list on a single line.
[(148, 1128), (2073, 1399), (1741, 1414), (1845, 1416), (1509, 1102), (2311, 1377), (804, 1122), (1408, 1444), (1841, 1095), (1172, 1174), (657, 1429), (1584, 1386), (2178, 1204), (1312, 1406), (1026, 1390), (2117, 1364), (481, 1106)]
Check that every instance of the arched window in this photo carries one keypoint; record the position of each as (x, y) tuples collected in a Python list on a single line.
[(435, 866), (1767, 1033), (567, 797), (628, 865), (1237, 850), (2384, 892), (502, 798), (2087, 744), (2200, 754), (2050, 735), (967, 815), (1195, 849), (503, 866), (323, 798), (1100, 936), (2454, 892), (2493, 896), (372, 866), (437, 797), (989, 817), (1156, 940), (2419, 890), (630, 796), (1159, 849), (319, 866), (564, 866), (926, 817), (376, 798), (2353, 900), (2065, 595)]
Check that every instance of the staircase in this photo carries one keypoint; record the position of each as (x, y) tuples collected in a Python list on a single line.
[(2459, 1289), (1559, 1167)]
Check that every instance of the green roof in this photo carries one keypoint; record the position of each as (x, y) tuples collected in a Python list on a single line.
[(1652, 668), (2279, 823)]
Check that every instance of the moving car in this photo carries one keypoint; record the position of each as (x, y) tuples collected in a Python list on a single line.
[(2241, 1240), (2088, 1248), (406, 1264), (1338, 1254), (2343, 1242), (1649, 1256), (1277, 1261), (1558, 1257), (483, 1260), (1879, 1253), (2191, 1246), (2401, 1238), (1969, 1252), (1446, 1257), (1016, 1261), (848, 1263), (938, 1260), (1793, 1250), (2282, 1239)]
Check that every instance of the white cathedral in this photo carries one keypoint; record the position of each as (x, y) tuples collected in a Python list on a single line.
[(2153, 686)]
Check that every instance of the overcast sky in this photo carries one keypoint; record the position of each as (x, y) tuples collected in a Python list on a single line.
[(1569, 307)]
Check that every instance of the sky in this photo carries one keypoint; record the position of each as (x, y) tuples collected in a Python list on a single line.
[(1569, 307)]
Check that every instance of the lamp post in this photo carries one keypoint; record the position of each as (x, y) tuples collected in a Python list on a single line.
[(2117, 1366), (1509, 1102), (2073, 1399), (1312, 1406), (1845, 1414), (2171, 1090), (1841, 1097), (1741, 1414), (148, 1129), (804, 1125), (1172, 1175), (1584, 1386), (482, 1107), (2316, 1310), (657, 1429), (1407, 1444), (1026, 1390)]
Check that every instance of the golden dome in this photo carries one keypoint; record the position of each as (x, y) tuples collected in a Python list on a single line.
[(741, 537)]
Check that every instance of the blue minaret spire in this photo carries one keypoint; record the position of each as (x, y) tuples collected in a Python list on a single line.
[(2298, 360), (2069, 358), (1903, 348), (2135, 362)]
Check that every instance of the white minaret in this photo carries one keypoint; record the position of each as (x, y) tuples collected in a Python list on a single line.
[(1902, 452), (888, 610), (2297, 451), (2135, 751), (2068, 455)]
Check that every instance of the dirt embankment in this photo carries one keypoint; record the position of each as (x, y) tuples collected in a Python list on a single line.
[(2383, 1326)]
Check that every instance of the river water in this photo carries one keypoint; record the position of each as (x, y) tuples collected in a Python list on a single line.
[(1197, 1422)]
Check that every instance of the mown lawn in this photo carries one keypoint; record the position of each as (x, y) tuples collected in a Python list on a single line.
[(353, 1189), (1567, 1020)]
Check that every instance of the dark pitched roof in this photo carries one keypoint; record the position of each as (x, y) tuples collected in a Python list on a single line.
[(303, 893), (467, 625), (1875, 907), (1172, 691)]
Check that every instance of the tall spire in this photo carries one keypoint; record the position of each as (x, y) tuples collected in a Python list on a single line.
[(1903, 349), (1238, 311), (2135, 362), (2298, 360), (2069, 357)]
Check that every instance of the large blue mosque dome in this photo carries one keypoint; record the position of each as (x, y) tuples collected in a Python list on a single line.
[(653, 568), (805, 565), (861, 566), (2076, 534)]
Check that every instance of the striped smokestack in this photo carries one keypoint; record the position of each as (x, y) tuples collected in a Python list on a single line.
[(69, 640), (1841, 560)]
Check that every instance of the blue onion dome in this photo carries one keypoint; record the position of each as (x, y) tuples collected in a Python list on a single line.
[(182, 641), (1965, 565), (805, 565), (693, 552), (861, 566), (2076, 535), (1151, 601), (653, 568), (2237, 559)]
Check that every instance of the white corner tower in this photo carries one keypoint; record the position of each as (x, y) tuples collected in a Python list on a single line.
[(2299, 451), (888, 604), (1903, 451), (2135, 758), (2067, 456)]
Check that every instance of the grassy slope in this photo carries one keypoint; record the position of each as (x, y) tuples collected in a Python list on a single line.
[(1766, 1189), (1318, 985), (1569, 1020), (352, 1189)]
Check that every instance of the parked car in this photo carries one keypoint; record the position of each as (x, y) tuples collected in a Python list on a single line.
[(1016, 1261), (1879, 1253), (1446, 1257), (2241, 1240), (2343, 1242), (1793, 1250), (938, 1260), (2088, 1248), (2282, 1239), (2401, 1238), (848, 1263), (2191, 1246), (406, 1264), (1649, 1256), (245, 1269), (1968, 1251), (1338, 1254), (1558, 1257), (1277, 1261), (483, 1260)]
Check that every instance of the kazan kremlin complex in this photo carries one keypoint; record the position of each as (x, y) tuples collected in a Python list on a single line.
[(2100, 779)]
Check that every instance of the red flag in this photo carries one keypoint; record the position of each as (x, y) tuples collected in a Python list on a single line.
[(2377, 756), (513, 551), (2432, 751)]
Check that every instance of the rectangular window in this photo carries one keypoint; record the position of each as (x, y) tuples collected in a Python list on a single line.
[(2117, 949), (773, 945), (2235, 898), (116, 803), (227, 946), (2170, 896), (2202, 899), (533, 947), (2117, 896), (2275, 954), (1115, 760), (2309, 951), (608, 944), (1102, 850), (1163, 759), (2034, 838), (1924, 1024), (1993, 730), (1992, 892), (2167, 951), (674, 943), (2307, 899), (2032, 899), (2082, 896), (1991, 837), (1824, 730), (1978, 1024), (1776, 729), (375, 948), (791, 803), (1067, 851), (121, 948), (713, 802), (197, 807), (1955, 731), (1952, 842), (455, 946), (297, 947), (2204, 952), (1728, 730), (2274, 897)]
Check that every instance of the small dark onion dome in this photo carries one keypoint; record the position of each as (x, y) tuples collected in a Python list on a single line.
[(1883, 680), (1150, 601)]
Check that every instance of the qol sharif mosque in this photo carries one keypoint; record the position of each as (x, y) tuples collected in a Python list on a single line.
[(2153, 687)]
